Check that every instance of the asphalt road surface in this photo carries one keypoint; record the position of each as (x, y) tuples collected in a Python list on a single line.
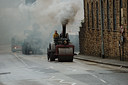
[(19, 69)]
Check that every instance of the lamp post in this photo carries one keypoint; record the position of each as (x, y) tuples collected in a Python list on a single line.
[(102, 36)]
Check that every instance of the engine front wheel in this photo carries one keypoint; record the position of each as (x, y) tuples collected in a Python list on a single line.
[(52, 58), (65, 59)]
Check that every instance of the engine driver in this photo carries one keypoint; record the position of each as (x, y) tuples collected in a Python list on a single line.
[(55, 35)]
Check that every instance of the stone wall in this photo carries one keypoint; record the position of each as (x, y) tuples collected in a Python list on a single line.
[(90, 36)]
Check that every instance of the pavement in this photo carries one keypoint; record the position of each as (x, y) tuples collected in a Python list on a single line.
[(102, 61)]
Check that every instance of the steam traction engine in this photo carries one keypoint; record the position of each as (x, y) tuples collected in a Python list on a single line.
[(61, 48)]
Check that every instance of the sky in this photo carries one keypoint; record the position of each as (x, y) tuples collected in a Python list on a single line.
[(16, 17)]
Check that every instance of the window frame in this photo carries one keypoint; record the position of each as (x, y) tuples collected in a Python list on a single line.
[(102, 14), (97, 15), (88, 14), (108, 15), (92, 15), (121, 6), (114, 15)]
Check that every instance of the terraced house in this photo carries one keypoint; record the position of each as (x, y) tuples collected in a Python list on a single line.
[(104, 31)]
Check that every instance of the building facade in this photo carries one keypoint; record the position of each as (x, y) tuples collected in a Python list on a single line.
[(107, 17)]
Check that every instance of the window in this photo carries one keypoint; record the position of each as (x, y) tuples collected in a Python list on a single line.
[(114, 15), (121, 6), (92, 17), (88, 14), (108, 17), (97, 15), (102, 14), (127, 14)]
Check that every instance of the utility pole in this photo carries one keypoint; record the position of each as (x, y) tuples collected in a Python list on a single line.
[(102, 36)]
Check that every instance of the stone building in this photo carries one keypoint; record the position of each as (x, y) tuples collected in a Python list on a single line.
[(109, 17)]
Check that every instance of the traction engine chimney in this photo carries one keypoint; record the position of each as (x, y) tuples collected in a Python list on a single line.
[(64, 30)]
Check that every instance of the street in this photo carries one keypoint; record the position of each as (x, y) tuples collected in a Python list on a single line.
[(19, 69), (96, 30)]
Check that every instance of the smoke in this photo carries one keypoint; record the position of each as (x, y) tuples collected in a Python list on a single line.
[(64, 12), (16, 18), (53, 11), (11, 21), (67, 12)]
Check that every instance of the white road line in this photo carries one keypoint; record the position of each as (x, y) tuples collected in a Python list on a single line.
[(74, 70), (21, 60), (103, 81), (51, 67), (99, 78), (62, 81), (52, 77), (94, 76), (74, 84)]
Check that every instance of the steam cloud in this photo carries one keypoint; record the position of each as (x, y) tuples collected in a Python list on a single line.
[(53, 11), (16, 17)]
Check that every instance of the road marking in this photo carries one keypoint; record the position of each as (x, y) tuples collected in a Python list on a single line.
[(74, 70), (94, 76), (99, 78), (51, 67), (52, 77), (5, 73), (21, 61), (103, 81), (62, 81)]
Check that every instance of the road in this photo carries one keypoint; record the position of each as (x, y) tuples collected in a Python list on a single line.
[(19, 69)]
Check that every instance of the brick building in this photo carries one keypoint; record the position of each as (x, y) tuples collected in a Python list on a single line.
[(114, 15)]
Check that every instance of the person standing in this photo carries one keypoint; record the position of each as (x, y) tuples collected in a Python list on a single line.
[(55, 35)]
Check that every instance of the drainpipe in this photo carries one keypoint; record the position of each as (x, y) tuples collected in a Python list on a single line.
[(102, 37)]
